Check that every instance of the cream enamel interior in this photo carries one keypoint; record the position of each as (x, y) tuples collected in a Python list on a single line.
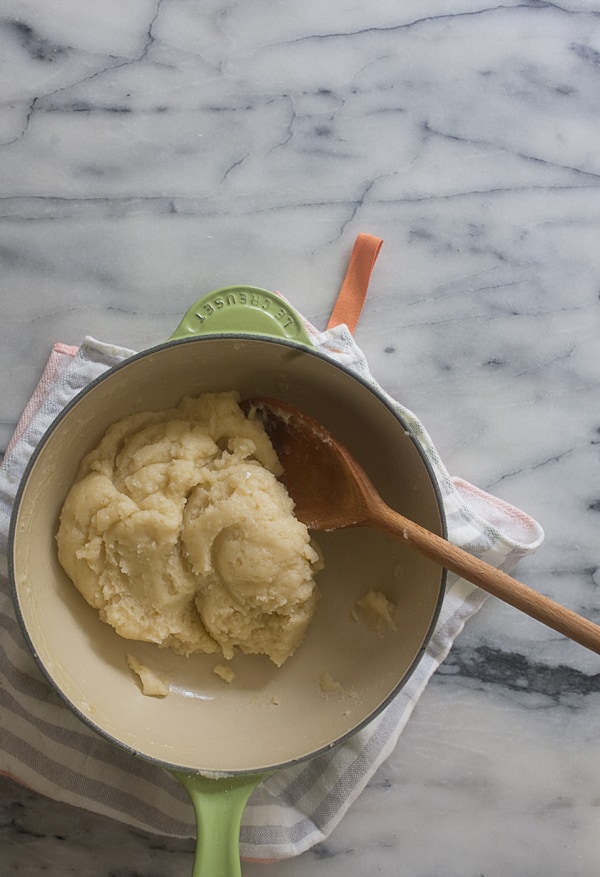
[(268, 716)]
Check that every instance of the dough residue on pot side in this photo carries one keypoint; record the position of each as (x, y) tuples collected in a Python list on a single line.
[(153, 685), (178, 532), (376, 611)]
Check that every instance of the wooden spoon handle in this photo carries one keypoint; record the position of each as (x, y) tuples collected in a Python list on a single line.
[(492, 580)]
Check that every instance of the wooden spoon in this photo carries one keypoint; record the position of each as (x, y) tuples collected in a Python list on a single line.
[(332, 491)]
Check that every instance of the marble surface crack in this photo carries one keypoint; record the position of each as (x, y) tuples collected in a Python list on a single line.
[(498, 147), (205, 206), (541, 464), (19, 136), (356, 206), (42, 49), (237, 163), (535, 5)]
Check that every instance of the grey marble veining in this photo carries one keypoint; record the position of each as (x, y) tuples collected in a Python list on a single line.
[(154, 150)]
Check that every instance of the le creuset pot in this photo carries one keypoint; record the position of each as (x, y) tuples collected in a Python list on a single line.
[(221, 740)]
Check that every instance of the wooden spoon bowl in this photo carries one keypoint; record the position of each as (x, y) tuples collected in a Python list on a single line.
[(332, 491)]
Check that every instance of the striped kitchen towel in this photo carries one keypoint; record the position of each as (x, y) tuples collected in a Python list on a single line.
[(46, 747)]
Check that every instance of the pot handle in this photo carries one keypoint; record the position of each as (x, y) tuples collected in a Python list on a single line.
[(218, 806), (243, 310)]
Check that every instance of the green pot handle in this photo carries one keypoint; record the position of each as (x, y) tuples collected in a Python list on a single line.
[(245, 310), (218, 806)]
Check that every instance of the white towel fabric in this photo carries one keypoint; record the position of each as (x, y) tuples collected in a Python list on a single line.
[(46, 747)]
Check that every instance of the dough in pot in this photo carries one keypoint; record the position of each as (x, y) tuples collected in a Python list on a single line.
[(178, 532)]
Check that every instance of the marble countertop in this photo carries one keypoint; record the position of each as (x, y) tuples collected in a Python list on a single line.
[(155, 150)]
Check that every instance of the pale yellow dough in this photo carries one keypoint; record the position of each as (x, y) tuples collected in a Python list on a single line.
[(152, 684), (376, 611), (178, 532)]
